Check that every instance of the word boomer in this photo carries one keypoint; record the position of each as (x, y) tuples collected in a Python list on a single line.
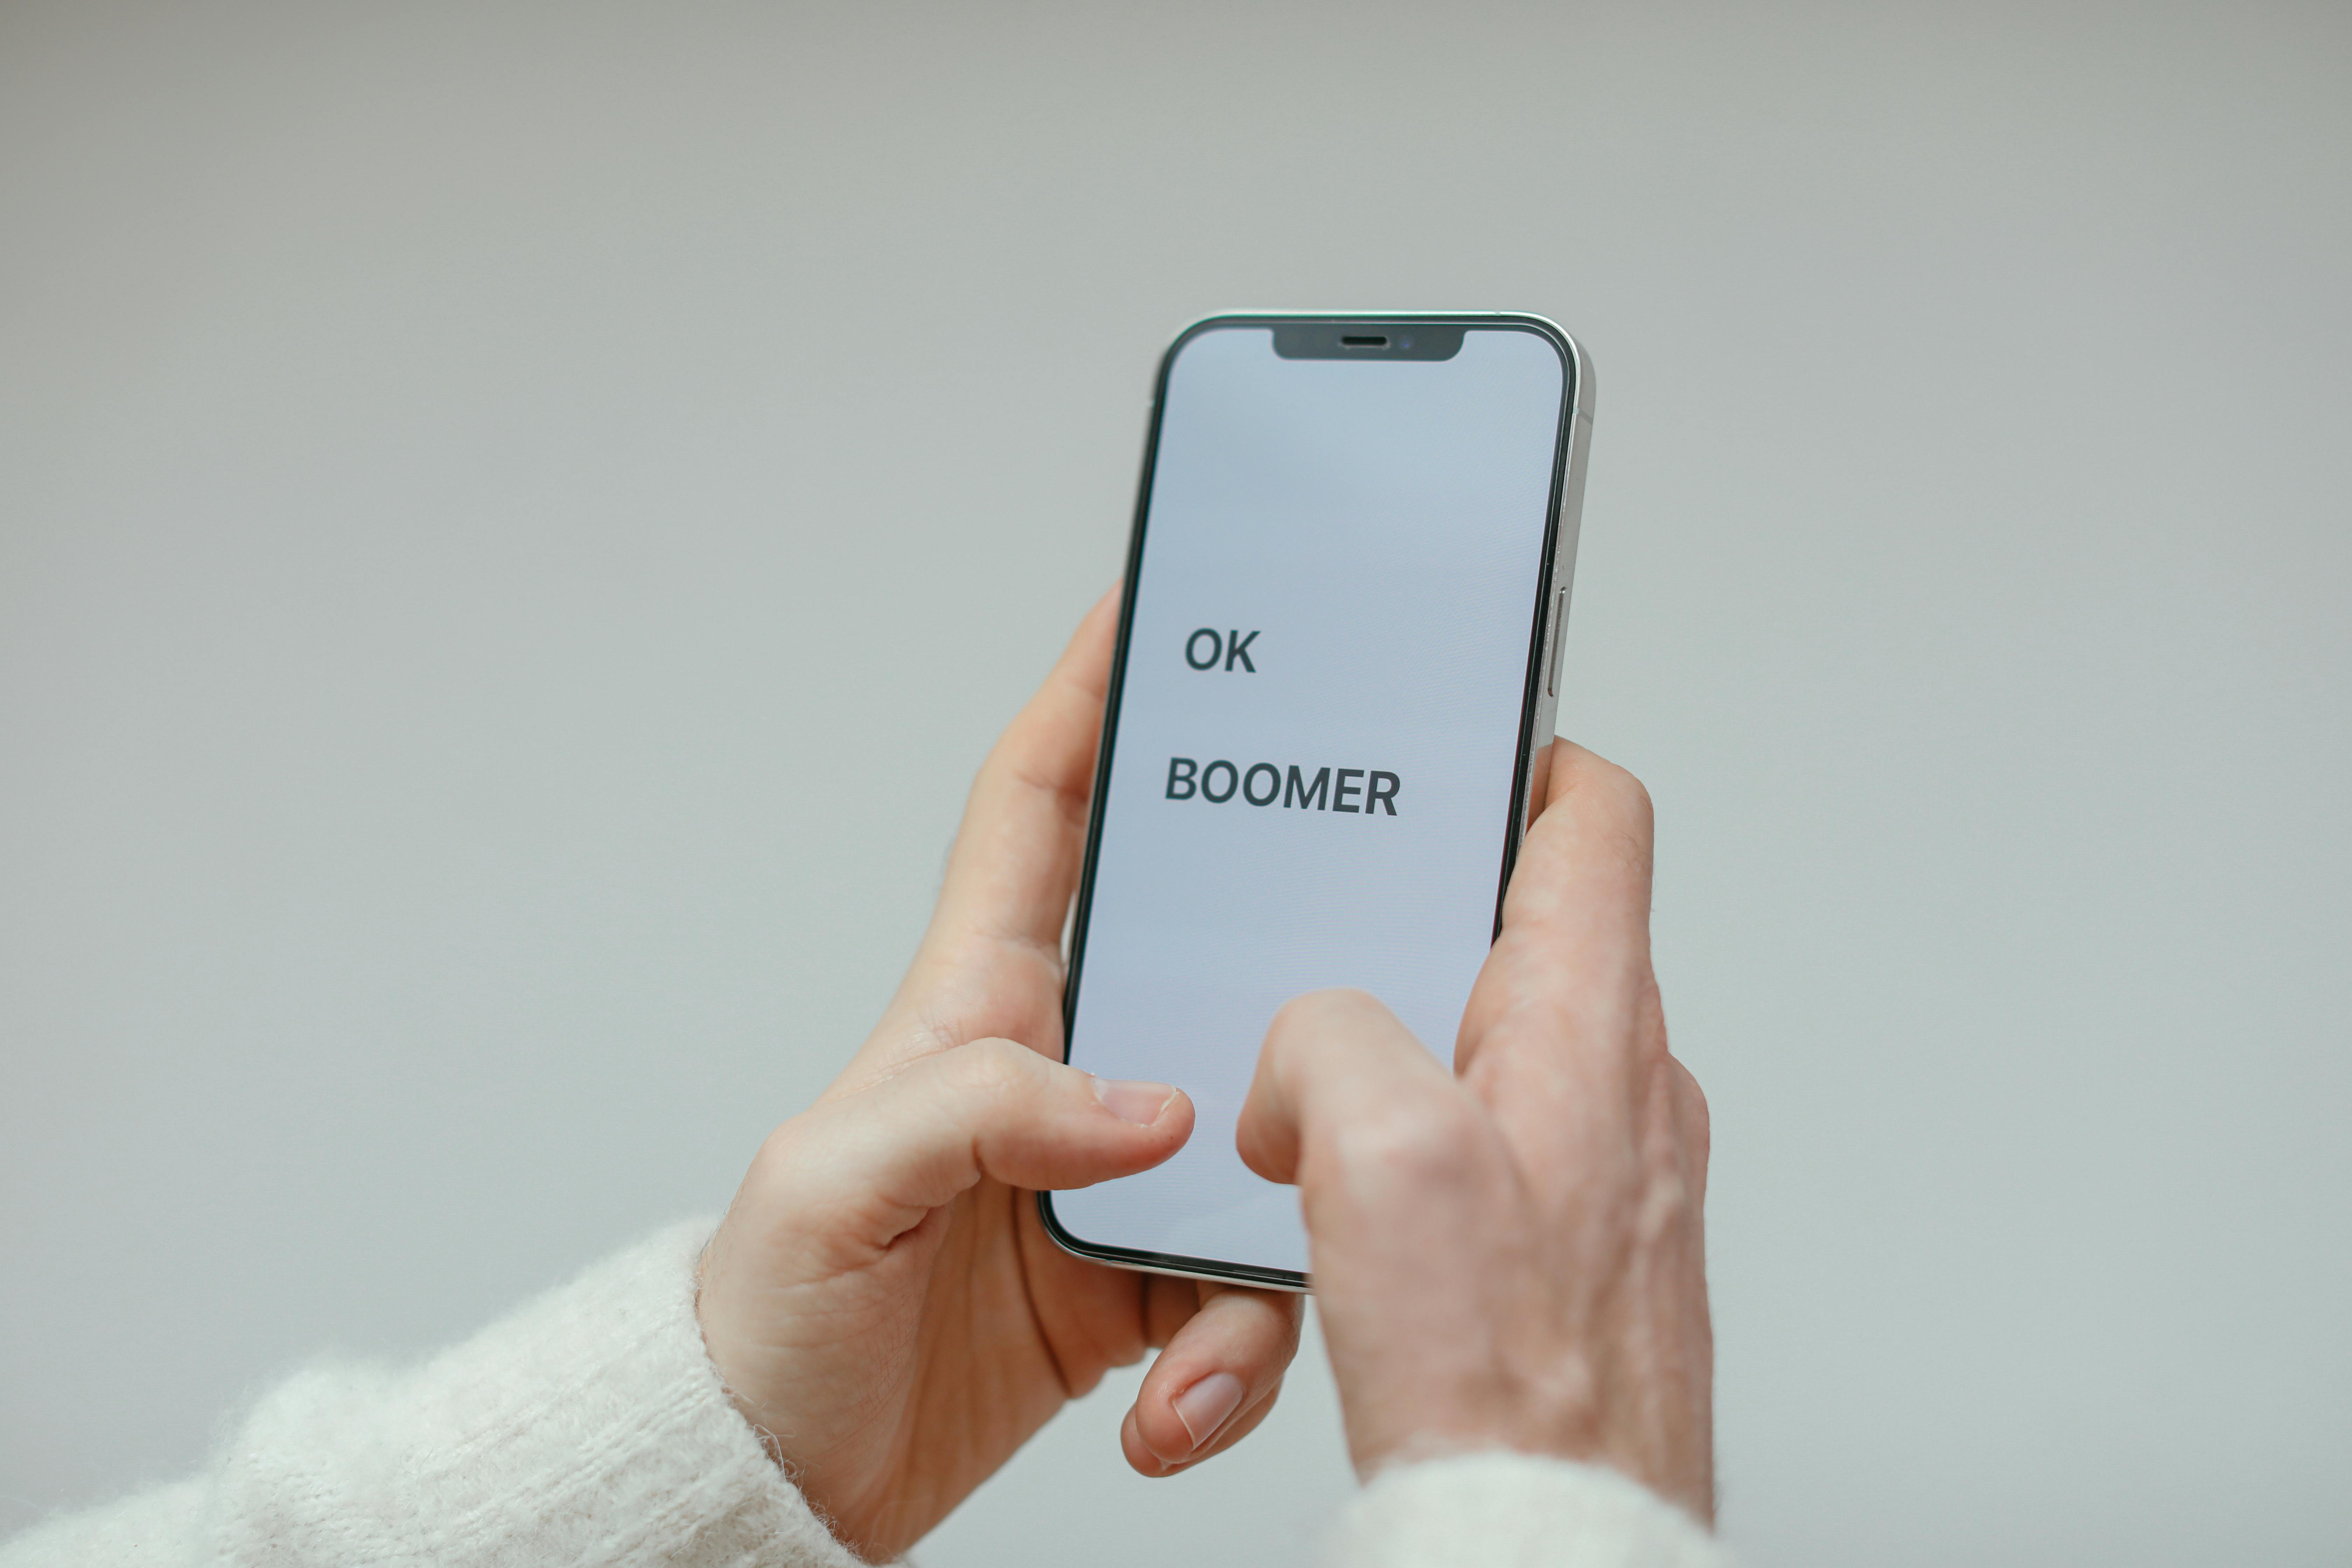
[(1263, 784)]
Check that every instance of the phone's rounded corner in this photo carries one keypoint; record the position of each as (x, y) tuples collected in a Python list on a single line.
[(1588, 390), (1570, 348), (1221, 320), (1060, 1236), (1216, 321)]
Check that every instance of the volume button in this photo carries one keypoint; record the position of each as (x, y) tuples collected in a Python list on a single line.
[(1558, 642)]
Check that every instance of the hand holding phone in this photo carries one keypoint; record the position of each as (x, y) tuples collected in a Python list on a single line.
[(1511, 1256), (881, 1299)]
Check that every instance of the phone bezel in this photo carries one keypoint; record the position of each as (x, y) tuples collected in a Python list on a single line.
[(1545, 625)]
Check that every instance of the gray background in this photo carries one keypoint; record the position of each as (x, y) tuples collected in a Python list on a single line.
[(516, 522)]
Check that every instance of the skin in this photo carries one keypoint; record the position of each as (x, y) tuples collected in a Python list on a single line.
[(1508, 1257), (882, 1300), (1512, 1254)]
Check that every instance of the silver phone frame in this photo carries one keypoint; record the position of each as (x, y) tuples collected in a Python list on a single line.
[(1539, 711)]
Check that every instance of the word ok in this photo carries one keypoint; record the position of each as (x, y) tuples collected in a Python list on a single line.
[(1233, 647), (1220, 781)]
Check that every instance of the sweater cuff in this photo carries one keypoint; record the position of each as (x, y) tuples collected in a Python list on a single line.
[(588, 1426), (1514, 1511)]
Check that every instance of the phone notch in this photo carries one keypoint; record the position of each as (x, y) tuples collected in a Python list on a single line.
[(1367, 340)]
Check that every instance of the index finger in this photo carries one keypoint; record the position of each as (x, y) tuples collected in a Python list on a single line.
[(1332, 1060), (1017, 854)]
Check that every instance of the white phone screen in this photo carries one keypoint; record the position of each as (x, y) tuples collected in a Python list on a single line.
[(1312, 768)]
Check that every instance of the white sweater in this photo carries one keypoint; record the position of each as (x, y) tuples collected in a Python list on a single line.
[(589, 1427)]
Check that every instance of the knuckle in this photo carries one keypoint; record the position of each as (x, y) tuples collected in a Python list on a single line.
[(1307, 1026), (1316, 1009), (1664, 1210), (1633, 816), (994, 1068), (1617, 793), (1701, 1114), (1697, 1117), (1418, 1143)]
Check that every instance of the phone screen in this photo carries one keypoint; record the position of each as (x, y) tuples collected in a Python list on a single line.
[(1338, 581)]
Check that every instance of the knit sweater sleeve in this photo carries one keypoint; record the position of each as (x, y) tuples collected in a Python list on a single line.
[(588, 1427), (1511, 1511)]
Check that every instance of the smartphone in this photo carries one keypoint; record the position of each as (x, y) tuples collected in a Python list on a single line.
[(1336, 670)]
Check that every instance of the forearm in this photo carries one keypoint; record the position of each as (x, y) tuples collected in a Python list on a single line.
[(587, 1426)]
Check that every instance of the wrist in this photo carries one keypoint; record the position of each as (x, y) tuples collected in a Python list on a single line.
[(718, 1349)]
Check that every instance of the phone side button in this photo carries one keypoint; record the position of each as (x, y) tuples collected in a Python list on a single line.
[(1558, 642)]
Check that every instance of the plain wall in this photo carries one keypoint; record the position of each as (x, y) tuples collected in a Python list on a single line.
[(517, 523)]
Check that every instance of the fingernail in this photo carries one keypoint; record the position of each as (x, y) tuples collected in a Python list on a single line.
[(1204, 1406), (1141, 1104)]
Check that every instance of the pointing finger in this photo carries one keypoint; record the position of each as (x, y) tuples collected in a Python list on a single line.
[(1331, 1058)]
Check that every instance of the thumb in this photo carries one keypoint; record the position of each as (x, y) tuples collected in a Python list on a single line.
[(867, 1167)]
